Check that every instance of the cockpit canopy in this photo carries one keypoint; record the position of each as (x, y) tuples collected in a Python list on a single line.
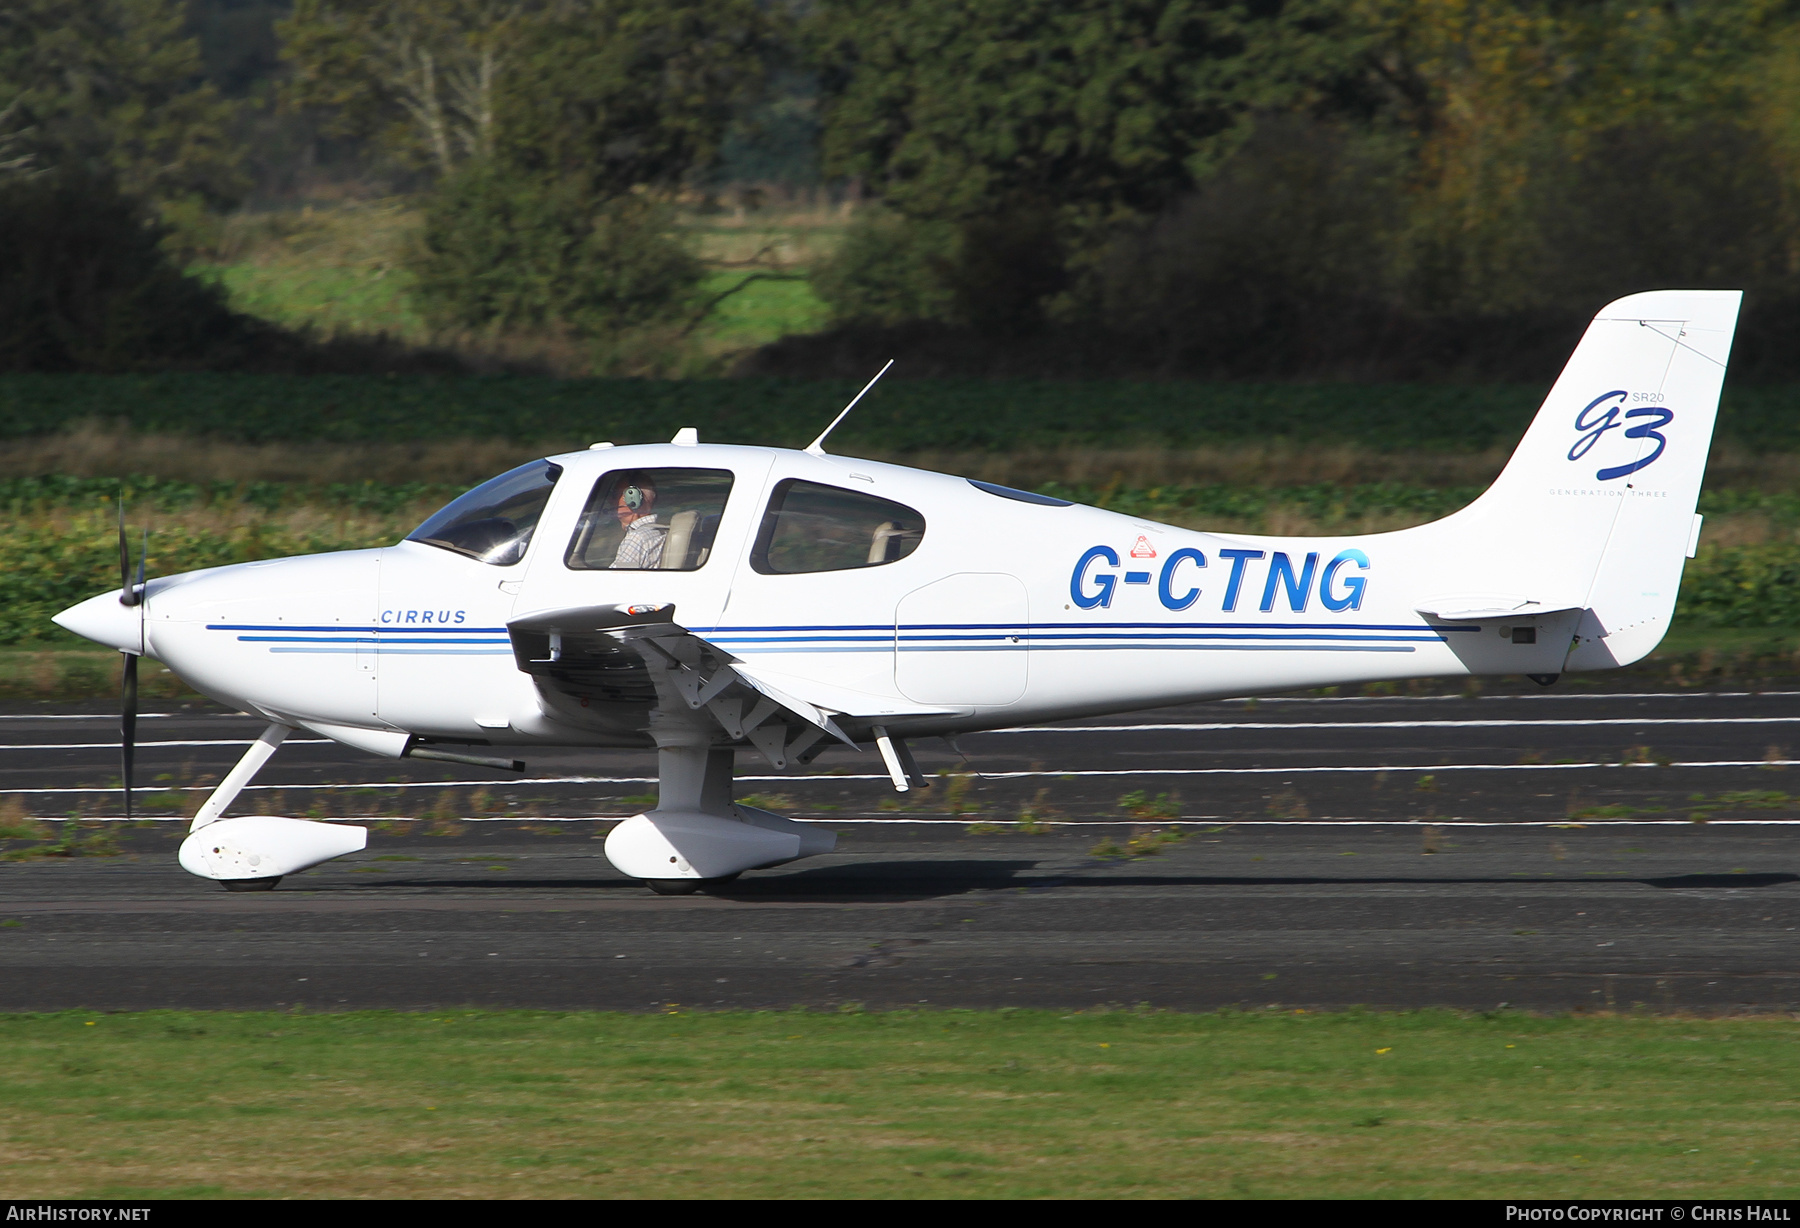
[(667, 518)]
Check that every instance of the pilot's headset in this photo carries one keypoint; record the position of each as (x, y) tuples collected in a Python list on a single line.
[(636, 492)]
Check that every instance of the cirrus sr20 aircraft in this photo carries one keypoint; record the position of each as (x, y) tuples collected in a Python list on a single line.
[(714, 600)]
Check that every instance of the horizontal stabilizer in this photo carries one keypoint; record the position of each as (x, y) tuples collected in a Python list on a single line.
[(1481, 606)]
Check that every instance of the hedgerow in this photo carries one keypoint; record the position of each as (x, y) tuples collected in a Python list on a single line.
[(899, 415)]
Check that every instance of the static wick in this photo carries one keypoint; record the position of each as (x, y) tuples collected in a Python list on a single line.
[(817, 446)]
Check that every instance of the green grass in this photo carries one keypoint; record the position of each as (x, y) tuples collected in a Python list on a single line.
[(1692, 639), (341, 270), (330, 300), (763, 311), (363, 300), (76, 669), (49, 567), (468, 1104)]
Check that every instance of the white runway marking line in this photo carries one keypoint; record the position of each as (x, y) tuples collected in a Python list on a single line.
[(1427, 768), (1174, 727), (1219, 823), (152, 745), (83, 716), (1414, 699), (1237, 699), (1216, 726)]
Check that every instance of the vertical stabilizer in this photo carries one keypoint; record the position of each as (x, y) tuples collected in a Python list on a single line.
[(1595, 510)]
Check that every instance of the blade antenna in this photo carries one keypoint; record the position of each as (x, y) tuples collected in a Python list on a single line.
[(817, 446)]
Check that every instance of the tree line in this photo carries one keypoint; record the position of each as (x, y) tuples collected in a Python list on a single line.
[(1178, 187)]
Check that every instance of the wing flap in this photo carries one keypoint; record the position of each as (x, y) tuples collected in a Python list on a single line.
[(639, 655)]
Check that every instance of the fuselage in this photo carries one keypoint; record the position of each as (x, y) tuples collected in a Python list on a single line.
[(990, 608)]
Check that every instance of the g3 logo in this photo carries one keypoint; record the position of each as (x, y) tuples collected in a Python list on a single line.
[(1598, 417)]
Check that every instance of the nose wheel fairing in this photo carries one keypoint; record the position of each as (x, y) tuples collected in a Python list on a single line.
[(262, 847), (254, 852)]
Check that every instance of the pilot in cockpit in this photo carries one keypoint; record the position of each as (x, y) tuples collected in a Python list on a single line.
[(635, 506)]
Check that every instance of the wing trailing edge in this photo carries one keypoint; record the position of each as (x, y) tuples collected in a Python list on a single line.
[(638, 656)]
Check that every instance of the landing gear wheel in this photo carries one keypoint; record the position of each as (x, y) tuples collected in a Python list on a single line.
[(249, 884), (673, 886)]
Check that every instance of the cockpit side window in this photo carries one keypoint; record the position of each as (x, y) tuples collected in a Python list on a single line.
[(650, 520), (810, 527), (493, 522)]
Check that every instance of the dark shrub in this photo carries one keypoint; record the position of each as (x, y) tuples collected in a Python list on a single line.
[(889, 270), (86, 286), (507, 252)]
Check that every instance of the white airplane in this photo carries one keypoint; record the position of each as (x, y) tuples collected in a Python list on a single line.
[(709, 600)]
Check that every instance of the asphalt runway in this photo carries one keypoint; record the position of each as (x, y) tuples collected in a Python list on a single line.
[(1535, 850)]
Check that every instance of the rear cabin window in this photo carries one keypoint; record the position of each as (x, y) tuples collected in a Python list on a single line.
[(809, 527), (495, 521), (650, 520)]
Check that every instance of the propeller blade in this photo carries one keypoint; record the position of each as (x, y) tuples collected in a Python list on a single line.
[(127, 595), (128, 724)]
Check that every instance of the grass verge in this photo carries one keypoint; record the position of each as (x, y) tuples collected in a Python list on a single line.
[(1010, 1104), (80, 673)]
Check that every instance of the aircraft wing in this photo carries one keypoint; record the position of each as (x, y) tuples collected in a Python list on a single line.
[(635, 657)]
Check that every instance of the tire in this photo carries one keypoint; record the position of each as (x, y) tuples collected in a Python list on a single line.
[(249, 884), (673, 886)]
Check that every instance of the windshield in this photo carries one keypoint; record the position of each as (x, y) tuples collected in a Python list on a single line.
[(494, 521)]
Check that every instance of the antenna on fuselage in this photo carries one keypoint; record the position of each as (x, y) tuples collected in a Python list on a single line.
[(817, 446)]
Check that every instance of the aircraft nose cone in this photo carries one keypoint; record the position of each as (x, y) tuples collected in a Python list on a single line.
[(103, 620)]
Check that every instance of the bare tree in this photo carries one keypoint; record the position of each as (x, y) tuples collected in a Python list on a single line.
[(417, 74)]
